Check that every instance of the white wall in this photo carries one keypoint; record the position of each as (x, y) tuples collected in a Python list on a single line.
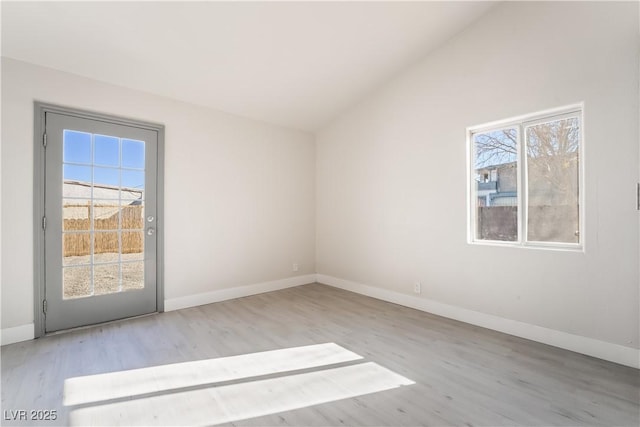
[(239, 194), (391, 174), (390, 179)]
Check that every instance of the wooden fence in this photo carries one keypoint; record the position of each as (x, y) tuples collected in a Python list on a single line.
[(77, 219), (498, 223), (546, 223)]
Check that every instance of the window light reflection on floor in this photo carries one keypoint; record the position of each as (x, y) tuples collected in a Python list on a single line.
[(114, 385), (203, 392)]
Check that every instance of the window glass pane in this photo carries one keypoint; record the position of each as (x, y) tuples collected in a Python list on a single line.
[(76, 147), (496, 184), (106, 151), (552, 181)]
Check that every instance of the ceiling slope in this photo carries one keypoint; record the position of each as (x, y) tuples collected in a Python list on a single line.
[(295, 64)]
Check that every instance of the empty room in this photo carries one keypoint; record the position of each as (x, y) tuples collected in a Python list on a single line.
[(322, 213)]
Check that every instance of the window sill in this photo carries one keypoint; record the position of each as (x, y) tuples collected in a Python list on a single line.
[(558, 247)]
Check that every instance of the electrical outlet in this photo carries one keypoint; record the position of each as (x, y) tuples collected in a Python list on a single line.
[(294, 267), (417, 287)]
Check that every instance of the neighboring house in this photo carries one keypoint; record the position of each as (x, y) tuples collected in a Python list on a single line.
[(497, 185), (106, 199), (80, 189), (552, 182)]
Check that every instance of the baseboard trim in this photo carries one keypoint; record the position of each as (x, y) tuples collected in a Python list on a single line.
[(236, 292), (603, 350), (17, 334)]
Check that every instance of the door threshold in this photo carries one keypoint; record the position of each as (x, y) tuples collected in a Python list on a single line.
[(110, 322)]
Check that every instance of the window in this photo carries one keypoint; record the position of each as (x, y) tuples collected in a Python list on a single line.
[(525, 180)]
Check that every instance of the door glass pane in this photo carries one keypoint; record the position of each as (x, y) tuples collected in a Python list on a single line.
[(552, 181), (76, 248), (132, 275), (132, 245), (130, 195), (106, 177), (132, 215), (103, 194), (107, 151), (106, 247), (132, 184), (76, 147), (80, 175), (76, 214), (496, 184), (106, 278), (106, 214), (132, 154), (76, 282)]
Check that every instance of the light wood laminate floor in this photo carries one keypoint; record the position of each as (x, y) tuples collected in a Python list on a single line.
[(341, 359)]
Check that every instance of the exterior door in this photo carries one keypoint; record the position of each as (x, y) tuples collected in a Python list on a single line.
[(100, 221)]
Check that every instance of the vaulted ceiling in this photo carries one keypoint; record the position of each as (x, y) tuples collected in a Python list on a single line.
[(296, 64)]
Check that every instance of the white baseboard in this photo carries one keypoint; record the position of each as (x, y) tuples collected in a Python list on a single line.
[(236, 292), (603, 350), (17, 334), (26, 332)]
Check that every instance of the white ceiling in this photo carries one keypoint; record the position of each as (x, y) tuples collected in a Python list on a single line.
[(296, 64)]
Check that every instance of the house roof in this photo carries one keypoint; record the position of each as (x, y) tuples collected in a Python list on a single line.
[(83, 190)]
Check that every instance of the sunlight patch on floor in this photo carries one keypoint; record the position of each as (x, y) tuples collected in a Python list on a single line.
[(228, 403), (123, 384)]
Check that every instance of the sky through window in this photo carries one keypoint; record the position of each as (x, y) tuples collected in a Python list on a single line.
[(103, 160)]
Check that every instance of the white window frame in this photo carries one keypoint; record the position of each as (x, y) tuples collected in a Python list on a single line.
[(521, 123)]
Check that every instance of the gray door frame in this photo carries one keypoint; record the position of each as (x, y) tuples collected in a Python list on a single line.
[(40, 110)]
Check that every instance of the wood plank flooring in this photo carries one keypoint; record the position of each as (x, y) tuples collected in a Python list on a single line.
[(457, 374)]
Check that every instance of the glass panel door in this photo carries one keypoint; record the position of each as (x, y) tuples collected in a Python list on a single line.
[(100, 202)]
